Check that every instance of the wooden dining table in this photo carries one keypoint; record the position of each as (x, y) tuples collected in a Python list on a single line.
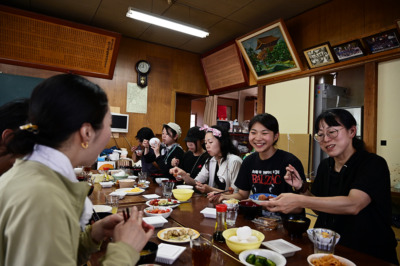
[(188, 215)]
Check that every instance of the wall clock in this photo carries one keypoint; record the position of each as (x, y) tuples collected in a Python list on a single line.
[(143, 69)]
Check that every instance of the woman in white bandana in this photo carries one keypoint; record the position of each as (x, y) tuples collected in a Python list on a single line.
[(43, 208)]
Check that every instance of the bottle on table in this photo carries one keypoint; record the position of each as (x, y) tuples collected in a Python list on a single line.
[(220, 224)]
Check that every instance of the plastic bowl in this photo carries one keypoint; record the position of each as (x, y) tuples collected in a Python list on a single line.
[(295, 224), (238, 247), (151, 253), (249, 209), (165, 215), (182, 194)]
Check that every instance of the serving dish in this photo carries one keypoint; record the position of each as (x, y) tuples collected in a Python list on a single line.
[(345, 261), (277, 258), (129, 192), (158, 211), (183, 239)]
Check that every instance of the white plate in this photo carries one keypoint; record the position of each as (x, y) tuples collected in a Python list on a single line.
[(168, 253), (102, 208), (254, 197), (120, 194), (341, 259), (160, 235), (169, 205), (129, 193), (282, 246), (209, 212), (269, 254)]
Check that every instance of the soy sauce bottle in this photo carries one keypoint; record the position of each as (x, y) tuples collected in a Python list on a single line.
[(220, 224)]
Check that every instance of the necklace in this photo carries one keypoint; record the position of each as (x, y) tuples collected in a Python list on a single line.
[(196, 164)]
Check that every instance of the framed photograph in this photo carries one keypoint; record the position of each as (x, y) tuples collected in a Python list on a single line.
[(319, 55), (383, 41), (349, 50), (269, 51)]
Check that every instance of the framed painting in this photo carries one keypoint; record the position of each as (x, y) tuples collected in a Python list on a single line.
[(349, 50), (383, 41), (319, 55), (269, 51)]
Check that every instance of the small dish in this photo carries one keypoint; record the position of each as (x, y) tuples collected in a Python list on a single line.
[(158, 211), (120, 194), (277, 258), (312, 257), (184, 187), (209, 213), (282, 246), (254, 197), (102, 208), (156, 221), (106, 184), (168, 253)]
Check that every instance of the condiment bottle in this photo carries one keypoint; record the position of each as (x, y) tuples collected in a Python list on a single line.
[(220, 224)]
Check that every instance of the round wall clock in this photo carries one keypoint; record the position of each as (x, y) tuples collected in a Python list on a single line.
[(143, 69)]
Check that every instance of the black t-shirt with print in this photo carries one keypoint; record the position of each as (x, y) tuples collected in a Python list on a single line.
[(267, 176), (192, 164)]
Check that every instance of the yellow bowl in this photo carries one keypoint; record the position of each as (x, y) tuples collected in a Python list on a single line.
[(239, 247), (182, 194)]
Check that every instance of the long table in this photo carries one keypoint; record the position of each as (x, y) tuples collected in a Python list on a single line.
[(188, 215)]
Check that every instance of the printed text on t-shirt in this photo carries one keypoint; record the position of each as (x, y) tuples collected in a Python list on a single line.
[(266, 177)]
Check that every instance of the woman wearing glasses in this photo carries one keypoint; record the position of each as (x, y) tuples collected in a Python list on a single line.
[(351, 191)]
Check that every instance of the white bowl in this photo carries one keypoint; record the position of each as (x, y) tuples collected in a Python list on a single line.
[(154, 141), (319, 255), (156, 221), (277, 258), (78, 170), (165, 215), (185, 186), (160, 179), (106, 184)]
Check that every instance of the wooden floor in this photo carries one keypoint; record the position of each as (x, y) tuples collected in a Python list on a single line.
[(310, 214)]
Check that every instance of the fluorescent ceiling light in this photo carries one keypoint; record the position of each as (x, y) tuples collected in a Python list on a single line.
[(159, 21)]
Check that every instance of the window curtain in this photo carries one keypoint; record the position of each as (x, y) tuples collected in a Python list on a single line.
[(210, 111)]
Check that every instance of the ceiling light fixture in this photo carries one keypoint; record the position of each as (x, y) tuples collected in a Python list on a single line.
[(162, 22)]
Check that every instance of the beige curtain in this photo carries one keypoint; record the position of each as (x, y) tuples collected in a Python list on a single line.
[(210, 111)]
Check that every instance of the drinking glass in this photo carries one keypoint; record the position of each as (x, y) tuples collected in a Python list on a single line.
[(324, 241), (113, 202), (201, 249), (167, 188), (231, 213), (142, 179)]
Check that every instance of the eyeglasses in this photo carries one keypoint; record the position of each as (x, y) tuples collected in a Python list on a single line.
[(331, 133)]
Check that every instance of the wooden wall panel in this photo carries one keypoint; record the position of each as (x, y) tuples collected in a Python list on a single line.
[(171, 70)]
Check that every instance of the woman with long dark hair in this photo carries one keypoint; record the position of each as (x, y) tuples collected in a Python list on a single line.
[(351, 192), (44, 210), (220, 171)]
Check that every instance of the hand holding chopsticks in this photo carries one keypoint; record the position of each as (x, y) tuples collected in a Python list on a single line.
[(292, 177), (126, 214), (230, 190)]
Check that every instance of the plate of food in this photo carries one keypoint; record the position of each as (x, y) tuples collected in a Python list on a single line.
[(177, 234), (144, 186), (328, 259), (163, 202), (131, 191), (260, 197), (262, 256)]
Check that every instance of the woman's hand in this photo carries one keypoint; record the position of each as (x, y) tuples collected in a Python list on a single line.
[(146, 146), (174, 162), (203, 188), (214, 198), (156, 148), (292, 177), (285, 203), (178, 173), (104, 228), (134, 231)]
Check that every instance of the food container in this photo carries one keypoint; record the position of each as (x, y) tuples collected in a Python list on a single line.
[(282, 246), (168, 253), (106, 184), (123, 183), (156, 221), (267, 223)]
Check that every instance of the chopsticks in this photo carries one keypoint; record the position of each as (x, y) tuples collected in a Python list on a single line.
[(95, 216), (126, 214), (230, 190)]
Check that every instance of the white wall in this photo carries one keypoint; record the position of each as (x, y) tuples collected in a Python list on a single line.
[(289, 102), (388, 112)]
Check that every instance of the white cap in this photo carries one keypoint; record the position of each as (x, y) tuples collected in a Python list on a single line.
[(175, 127)]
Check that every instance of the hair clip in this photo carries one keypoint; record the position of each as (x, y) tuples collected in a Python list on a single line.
[(214, 131), (29, 127)]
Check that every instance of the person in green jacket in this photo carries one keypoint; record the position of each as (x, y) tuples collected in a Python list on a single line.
[(44, 210)]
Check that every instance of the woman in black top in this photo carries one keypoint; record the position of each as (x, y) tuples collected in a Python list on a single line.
[(351, 191)]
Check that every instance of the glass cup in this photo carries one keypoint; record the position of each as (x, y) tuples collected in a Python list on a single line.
[(231, 213), (142, 179), (167, 188), (113, 202), (201, 249), (324, 241)]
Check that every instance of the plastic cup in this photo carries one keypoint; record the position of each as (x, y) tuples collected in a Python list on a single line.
[(113, 202)]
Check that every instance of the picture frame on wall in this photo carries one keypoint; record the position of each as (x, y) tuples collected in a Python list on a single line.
[(382, 41), (319, 55), (349, 50), (269, 51)]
